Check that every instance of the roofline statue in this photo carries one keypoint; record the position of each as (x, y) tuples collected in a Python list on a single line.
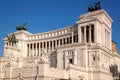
[(12, 38), (90, 8), (95, 7), (21, 27)]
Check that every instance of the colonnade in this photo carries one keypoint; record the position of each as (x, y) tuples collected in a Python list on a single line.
[(88, 34), (34, 49), (10, 44)]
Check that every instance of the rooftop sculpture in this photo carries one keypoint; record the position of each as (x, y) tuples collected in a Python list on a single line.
[(12, 38), (95, 7), (21, 27)]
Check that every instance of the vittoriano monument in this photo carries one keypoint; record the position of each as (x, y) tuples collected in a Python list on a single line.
[(83, 51)]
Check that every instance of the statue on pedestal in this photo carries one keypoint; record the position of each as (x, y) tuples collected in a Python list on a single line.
[(44, 56)]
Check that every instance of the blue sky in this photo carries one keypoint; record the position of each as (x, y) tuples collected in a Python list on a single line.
[(47, 15)]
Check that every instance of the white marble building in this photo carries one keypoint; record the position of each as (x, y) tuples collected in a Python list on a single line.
[(83, 51)]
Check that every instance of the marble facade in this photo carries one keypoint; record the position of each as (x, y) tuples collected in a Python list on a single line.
[(80, 52)]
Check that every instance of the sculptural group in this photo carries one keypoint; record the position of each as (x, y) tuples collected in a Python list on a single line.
[(21, 27), (114, 71), (95, 7), (12, 38)]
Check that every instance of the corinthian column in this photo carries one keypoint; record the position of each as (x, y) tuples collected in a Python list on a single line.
[(49, 46), (90, 34), (33, 49), (36, 49), (39, 49), (79, 35), (85, 34), (72, 38), (28, 49)]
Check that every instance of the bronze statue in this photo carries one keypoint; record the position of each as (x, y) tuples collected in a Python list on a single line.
[(95, 7), (90, 8), (114, 70), (12, 38), (21, 27)]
